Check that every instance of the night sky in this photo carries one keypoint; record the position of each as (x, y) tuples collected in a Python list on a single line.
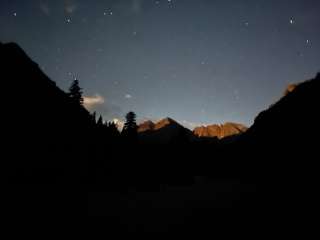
[(197, 61)]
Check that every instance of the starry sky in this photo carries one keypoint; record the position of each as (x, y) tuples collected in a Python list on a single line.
[(197, 61)]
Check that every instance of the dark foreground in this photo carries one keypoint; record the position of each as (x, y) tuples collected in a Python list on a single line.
[(57, 162)]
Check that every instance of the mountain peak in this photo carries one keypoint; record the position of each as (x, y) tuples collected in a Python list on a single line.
[(146, 126), (14, 48), (220, 130), (165, 122), (290, 88)]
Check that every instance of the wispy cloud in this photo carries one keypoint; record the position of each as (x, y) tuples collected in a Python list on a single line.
[(106, 108), (93, 101)]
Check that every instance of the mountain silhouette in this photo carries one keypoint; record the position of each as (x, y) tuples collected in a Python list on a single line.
[(45, 147), (43, 127), (280, 150), (165, 131), (284, 134), (290, 122), (33, 100)]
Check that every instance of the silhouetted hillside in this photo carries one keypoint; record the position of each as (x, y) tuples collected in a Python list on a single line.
[(281, 150), (290, 125), (34, 103), (280, 135), (43, 127)]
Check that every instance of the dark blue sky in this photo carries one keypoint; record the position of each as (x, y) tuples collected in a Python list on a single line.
[(197, 61)]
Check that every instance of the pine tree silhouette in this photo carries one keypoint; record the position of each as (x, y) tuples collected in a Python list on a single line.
[(112, 129), (75, 92), (100, 121), (94, 118), (130, 127)]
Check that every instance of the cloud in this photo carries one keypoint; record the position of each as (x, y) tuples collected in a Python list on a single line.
[(91, 102), (107, 109), (70, 6)]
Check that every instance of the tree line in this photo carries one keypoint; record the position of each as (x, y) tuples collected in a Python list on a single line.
[(110, 128)]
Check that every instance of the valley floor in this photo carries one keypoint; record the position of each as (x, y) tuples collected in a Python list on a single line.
[(171, 206)]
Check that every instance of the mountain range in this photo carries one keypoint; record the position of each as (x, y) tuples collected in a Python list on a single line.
[(168, 130), (220, 131)]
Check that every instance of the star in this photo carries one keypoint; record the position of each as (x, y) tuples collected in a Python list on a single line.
[(68, 20), (291, 21), (128, 96), (14, 14)]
